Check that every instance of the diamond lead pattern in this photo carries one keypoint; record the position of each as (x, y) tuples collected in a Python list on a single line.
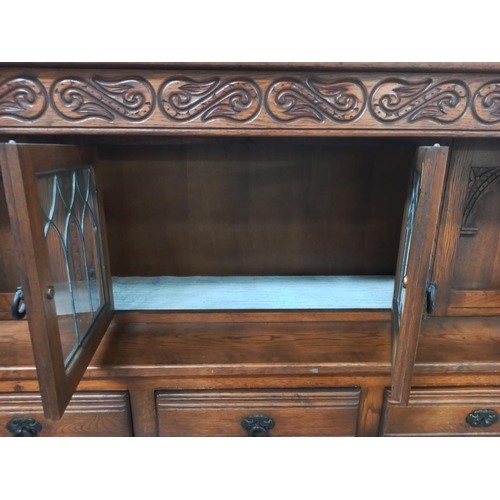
[(72, 236)]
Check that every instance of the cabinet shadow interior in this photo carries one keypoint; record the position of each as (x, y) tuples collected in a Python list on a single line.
[(210, 250)]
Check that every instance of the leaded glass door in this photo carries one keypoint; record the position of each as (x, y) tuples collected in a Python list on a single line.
[(58, 228), (418, 235)]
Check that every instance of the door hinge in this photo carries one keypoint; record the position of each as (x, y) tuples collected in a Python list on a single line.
[(431, 297)]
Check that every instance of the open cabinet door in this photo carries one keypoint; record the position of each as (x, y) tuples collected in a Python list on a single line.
[(416, 250), (60, 237)]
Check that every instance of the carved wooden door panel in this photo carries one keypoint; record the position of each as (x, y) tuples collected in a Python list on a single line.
[(467, 264), (59, 233), (416, 249)]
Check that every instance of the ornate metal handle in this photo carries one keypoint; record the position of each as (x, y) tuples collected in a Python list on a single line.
[(16, 311), (24, 427), (482, 418), (257, 425), (431, 297)]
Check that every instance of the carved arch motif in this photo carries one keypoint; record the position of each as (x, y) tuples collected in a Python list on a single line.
[(479, 181)]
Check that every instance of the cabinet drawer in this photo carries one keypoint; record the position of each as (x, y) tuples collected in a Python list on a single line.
[(276, 413), (445, 412), (88, 414)]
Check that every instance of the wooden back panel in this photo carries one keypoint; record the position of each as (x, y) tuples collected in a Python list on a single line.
[(254, 207)]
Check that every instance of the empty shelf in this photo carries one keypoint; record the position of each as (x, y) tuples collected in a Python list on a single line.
[(252, 292)]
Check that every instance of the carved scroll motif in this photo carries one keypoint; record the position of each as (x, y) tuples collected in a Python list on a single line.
[(22, 99), (77, 99), (337, 100), (397, 99), (486, 103), (479, 181), (184, 99)]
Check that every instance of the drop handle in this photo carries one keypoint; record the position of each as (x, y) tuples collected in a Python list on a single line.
[(257, 425), (24, 427), (18, 308)]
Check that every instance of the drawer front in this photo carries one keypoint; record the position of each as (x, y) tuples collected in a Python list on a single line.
[(445, 412), (87, 415), (258, 413)]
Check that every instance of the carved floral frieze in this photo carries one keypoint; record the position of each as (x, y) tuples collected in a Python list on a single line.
[(254, 100)]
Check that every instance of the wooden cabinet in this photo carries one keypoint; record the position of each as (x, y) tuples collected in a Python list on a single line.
[(243, 230)]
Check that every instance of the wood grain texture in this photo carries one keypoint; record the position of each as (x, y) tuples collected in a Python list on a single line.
[(322, 412), (87, 415), (475, 299), (477, 263), (344, 349), (441, 412), (431, 163), (143, 406), (9, 279), (370, 411), (264, 206), (429, 103), (451, 219), (5, 306)]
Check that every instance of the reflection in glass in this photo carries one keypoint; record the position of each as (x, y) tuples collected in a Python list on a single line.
[(415, 190), (72, 235)]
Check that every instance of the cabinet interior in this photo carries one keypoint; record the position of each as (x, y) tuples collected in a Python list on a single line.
[(250, 223), (254, 223)]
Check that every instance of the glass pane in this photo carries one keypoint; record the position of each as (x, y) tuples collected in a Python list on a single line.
[(72, 235), (415, 189)]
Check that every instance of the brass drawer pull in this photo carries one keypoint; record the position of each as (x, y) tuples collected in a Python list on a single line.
[(257, 425), (24, 427), (482, 418), (18, 310)]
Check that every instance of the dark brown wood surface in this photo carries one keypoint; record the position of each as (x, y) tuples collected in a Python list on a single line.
[(20, 164), (467, 265), (248, 102), (446, 346), (431, 163), (441, 412), (320, 412), (9, 279), (147, 352), (254, 207), (451, 220), (327, 66), (87, 415), (143, 406)]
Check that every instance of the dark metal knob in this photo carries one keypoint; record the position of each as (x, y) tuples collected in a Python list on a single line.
[(431, 297), (257, 425), (24, 427), (482, 418), (18, 308)]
